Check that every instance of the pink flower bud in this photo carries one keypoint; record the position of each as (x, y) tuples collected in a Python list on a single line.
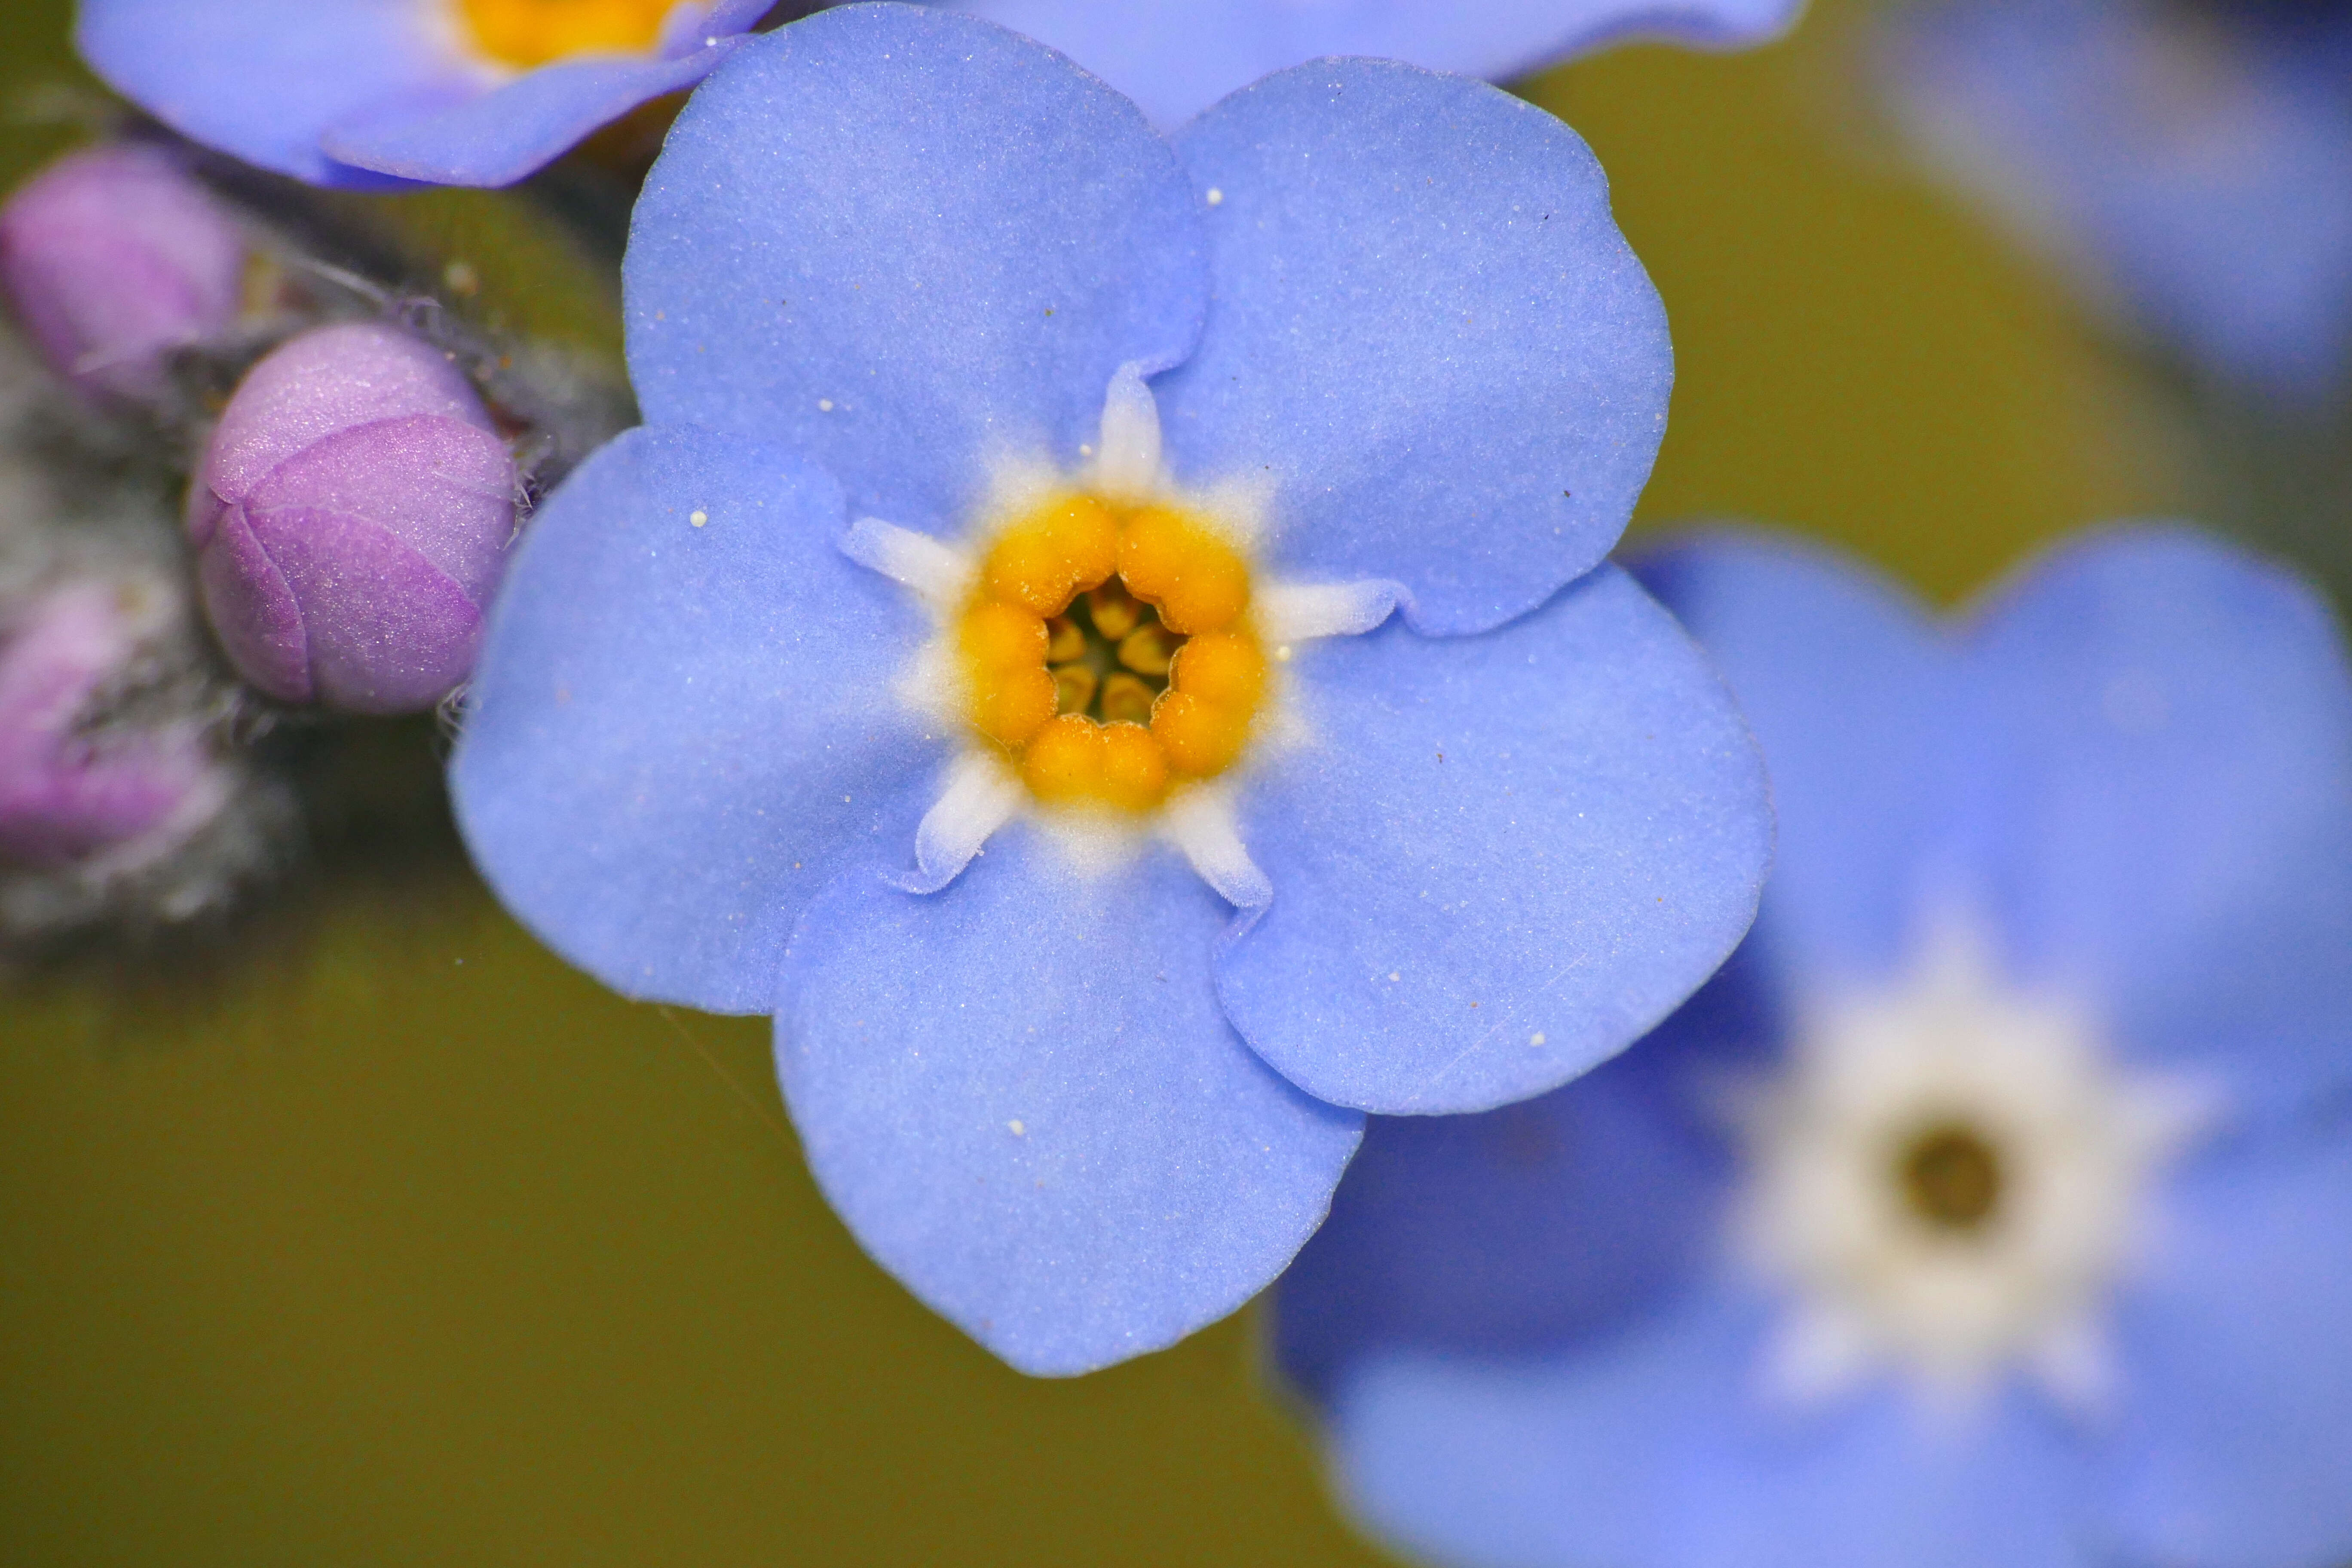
[(114, 256), (351, 516), (115, 797)]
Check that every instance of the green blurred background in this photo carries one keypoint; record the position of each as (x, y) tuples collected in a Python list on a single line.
[(379, 1236)]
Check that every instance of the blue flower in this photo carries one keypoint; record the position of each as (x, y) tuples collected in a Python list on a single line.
[(1017, 479), (369, 93), (2192, 166), (1990, 1206), (1175, 57)]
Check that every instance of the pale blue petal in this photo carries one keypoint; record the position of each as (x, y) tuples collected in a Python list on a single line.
[(1429, 337), (1496, 860), (1650, 1448), (499, 137), (2231, 1448), (908, 244), (678, 732), (1175, 57), (1852, 692), (262, 80), (2168, 829), (1020, 1095)]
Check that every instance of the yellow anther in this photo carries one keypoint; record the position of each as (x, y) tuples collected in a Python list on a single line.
[(1019, 704), (1126, 700), (1064, 762), (1201, 738), (1114, 611), (1043, 560), (1226, 669), (997, 636), (527, 34), (1074, 686), (1189, 680), (1134, 768), (1199, 583), (1147, 648), (1064, 640), (1076, 759)]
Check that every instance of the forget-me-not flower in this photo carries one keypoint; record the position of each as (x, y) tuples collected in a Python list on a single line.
[(1175, 57), (371, 92), (2190, 163), (1991, 1206), (984, 659)]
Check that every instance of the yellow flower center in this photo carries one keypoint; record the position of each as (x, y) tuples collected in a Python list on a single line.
[(527, 33), (1108, 649)]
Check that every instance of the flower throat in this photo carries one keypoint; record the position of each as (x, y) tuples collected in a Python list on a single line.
[(1108, 650)]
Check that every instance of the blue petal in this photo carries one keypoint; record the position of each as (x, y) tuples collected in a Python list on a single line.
[(907, 243), (1496, 860), (1852, 694), (1175, 57), (1648, 1449), (1021, 1097), (1430, 1244), (2219, 218), (2167, 828), (678, 732), (1428, 335), (2235, 1431), (264, 79), (499, 137)]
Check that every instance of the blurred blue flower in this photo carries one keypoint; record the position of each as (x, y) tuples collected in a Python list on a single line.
[(371, 92), (1175, 57), (2190, 163), (1990, 1205), (970, 398)]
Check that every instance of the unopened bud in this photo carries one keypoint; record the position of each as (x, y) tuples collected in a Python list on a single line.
[(113, 258), (94, 797), (352, 517)]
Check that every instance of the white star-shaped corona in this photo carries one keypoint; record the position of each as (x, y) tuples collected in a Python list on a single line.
[(1946, 1177)]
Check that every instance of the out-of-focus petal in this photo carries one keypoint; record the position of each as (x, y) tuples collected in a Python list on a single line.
[(910, 244), (1175, 57), (1432, 1245), (1649, 1447), (498, 137), (682, 724), (262, 79), (1851, 690), (1496, 860), (2166, 826), (1436, 348), (1021, 1096), (2229, 1430)]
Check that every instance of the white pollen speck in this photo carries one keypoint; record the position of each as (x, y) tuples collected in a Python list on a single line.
[(698, 517), (1282, 654), (824, 404), (1086, 449), (1215, 196), (845, 800), (1536, 1039), (1394, 975), (1018, 1130)]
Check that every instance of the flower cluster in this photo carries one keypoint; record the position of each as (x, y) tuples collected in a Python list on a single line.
[(1094, 612)]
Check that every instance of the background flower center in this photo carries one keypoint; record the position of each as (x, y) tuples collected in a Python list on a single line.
[(1108, 650), (1952, 1176), (527, 34)]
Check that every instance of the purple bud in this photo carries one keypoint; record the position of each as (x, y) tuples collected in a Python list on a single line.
[(352, 517), (114, 797), (113, 258)]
